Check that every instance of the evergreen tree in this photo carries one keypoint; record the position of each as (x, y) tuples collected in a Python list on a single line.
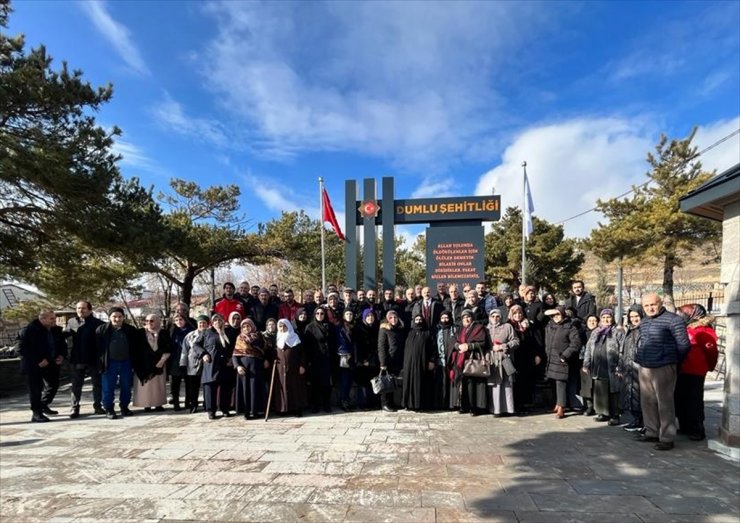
[(649, 225)]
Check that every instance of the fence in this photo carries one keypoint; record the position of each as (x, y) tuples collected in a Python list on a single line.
[(711, 300)]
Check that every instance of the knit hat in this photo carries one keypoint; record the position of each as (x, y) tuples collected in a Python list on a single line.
[(116, 309), (606, 312), (202, 317), (367, 312)]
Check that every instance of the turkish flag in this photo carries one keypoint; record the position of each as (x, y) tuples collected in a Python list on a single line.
[(329, 216)]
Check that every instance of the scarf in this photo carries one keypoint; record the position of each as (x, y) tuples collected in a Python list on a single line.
[(288, 339), (245, 343)]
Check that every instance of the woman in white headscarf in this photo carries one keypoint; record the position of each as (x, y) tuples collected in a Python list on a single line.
[(289, 392)]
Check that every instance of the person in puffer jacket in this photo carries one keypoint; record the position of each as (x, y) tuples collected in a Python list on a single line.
[(702, 358)]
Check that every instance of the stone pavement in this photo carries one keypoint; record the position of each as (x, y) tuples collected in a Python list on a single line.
[(365, 466)]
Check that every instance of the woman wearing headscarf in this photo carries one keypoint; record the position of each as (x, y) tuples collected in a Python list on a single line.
[(391, 340), (501, 381), (152, 393), (302, 319), (444, 343), (702, 358), (471, 341), (528, 357), (289, 389), (601, 361), (194, 364), (232, 330), (562, 343), (213, 348), (630, 369), (346, 357), (249, 361), (177, 369), (592, 323), (320, 344), (366, 357), (419, 358)]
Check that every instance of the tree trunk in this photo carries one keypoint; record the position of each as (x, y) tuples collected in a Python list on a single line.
[(669, 263), (187, 285)]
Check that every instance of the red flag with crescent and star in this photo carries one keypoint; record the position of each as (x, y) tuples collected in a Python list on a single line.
[(329, 216)]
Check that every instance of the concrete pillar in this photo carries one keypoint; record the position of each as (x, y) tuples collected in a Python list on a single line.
[(730, 276)]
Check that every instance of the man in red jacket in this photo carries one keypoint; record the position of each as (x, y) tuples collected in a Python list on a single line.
[(702, 358)]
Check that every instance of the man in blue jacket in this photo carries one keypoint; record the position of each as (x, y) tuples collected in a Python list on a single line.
[(663, 344)]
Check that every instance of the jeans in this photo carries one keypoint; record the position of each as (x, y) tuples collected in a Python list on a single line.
[(121, 371)]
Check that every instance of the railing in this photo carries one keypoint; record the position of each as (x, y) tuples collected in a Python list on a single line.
[(711, 300)]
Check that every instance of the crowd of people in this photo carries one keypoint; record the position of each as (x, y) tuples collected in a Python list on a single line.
[(463, 349)]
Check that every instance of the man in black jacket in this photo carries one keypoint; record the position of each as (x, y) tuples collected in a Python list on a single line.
[(83, 358), (42, 349), (119, 351), (583, 302)]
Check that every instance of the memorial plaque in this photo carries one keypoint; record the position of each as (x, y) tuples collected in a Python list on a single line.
[(455, 255)]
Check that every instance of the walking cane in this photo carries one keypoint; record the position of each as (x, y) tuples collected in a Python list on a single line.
[(269, 396)]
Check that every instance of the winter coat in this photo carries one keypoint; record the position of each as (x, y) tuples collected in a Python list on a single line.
[(82, 338), (703, 355), (502, 337), (630, 370), (320, 342), (663, 340), (366, 346), (137, 345), (435, 311), (608, 347), (190, 358), (36, 343), (391, 341), (210, 343), (586, 306), (562, 342), (456, 307)]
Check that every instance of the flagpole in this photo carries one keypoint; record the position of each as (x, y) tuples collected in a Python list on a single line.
[(524, 223), (323, 252)]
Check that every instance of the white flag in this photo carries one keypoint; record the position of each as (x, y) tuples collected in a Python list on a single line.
[(528, 207)]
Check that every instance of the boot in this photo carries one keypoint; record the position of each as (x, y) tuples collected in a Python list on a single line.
[(75, 413)]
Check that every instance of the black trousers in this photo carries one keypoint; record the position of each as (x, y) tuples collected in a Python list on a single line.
[(689, 398), (79, 371), (43, 384), (175, 385), (192, 390)]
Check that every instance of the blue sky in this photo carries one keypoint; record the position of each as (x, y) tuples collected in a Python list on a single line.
[(449, 98)]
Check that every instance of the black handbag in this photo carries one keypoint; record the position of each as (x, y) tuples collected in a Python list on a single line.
[(383, 383)]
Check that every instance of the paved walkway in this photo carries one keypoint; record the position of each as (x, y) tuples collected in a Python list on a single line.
[(367, 466)]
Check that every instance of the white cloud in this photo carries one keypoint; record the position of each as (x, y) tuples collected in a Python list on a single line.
[(724, 155), (429, 188), (570, 165), (408, 81), (171, 115), (134, 156), (116, 33)]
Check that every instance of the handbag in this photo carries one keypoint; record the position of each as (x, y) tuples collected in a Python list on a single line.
[(476, 367), (508, 366), (383, 383)]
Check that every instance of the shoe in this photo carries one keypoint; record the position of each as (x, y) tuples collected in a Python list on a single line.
[(601, 418), (211, 415), (614, 422), (555, 408), (147, 409), (637, 428), (46, 410), (386, 408), (498, 415), (697, 437), (38, 417), (645, 439), (194, 409), (228, 414), (159, 409), (474, 413), (631, 427), (250, 416), (75, 413), (125, 411), (111, 414), (99, 410), (176, 407), (560, 413), (589, 412), (663, 445)]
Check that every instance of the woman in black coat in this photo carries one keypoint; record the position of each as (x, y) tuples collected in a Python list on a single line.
[(391, 339), (562, 342), (249, 361), (418, 361), (178, 371), (214, 349), (366, 357), (472, 341), (320, 344)]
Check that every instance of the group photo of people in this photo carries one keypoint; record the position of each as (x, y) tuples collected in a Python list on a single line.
[(261, 352)]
